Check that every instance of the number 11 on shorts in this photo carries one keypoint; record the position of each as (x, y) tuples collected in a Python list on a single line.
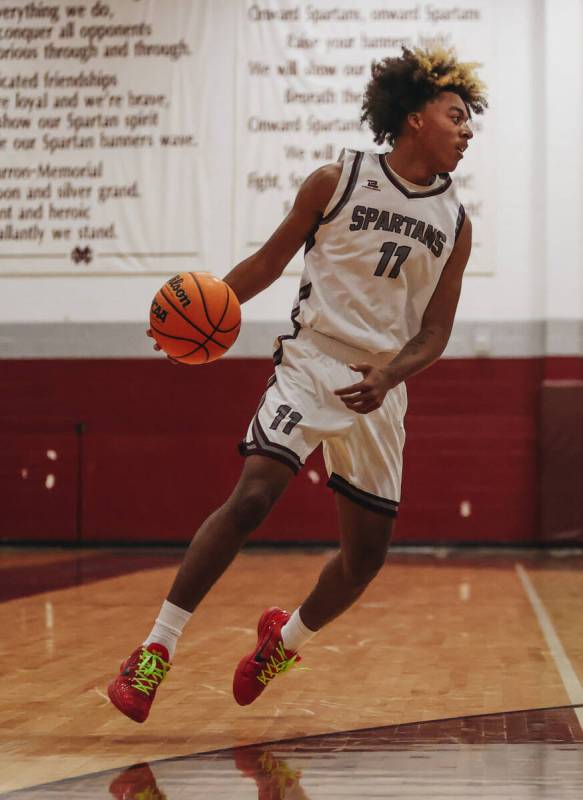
[(282, 412)]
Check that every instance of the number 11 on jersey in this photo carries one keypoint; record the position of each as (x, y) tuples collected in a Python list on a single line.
[(388, 250)]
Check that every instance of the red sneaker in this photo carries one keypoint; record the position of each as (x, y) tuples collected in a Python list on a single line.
[(134, 689), (135, 783), (267, 660)]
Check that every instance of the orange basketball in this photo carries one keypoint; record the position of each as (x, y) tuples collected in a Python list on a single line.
[(195, 317)]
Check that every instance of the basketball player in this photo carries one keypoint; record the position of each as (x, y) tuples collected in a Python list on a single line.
[(386, 243)]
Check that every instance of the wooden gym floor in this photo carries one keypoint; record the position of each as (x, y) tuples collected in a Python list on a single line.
[(459, 673)]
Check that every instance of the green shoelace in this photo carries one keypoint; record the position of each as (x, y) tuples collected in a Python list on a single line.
[(279, 662), (150, 672)]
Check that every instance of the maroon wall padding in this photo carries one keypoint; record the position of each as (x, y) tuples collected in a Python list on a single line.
[(146, 450), (565, 368), (561, 447), (470, 465), (39, 495)]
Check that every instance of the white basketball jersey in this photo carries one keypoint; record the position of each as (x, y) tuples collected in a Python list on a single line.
[(376, 256)]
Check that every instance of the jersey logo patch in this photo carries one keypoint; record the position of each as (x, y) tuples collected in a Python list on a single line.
[(372, 185)]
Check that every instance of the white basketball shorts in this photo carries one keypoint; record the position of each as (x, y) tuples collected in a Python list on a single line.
[(363, 453)]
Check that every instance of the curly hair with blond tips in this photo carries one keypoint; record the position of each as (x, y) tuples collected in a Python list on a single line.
[(405, 84)]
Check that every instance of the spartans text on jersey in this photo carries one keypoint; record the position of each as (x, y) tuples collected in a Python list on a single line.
[(363, 216)]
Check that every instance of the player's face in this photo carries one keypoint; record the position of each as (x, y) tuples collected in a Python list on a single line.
[(445, 131)]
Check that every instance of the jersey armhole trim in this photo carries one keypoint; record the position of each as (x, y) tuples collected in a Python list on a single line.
[(460, 221), (347, 191)]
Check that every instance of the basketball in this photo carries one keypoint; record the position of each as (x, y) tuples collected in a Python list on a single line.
[(195, 317)]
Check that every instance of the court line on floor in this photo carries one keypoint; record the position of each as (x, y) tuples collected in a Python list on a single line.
[(568, 675)]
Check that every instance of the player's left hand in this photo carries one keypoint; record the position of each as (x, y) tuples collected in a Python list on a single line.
[(368, 394), (157, 348)]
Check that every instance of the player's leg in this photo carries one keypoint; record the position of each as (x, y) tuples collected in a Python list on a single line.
[(220, 537), (212, 549), (364, 537), (364, 461), (365, 467)]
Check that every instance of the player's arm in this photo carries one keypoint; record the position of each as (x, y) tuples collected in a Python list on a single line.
[(428, 345), (258, 271), (424, 348)]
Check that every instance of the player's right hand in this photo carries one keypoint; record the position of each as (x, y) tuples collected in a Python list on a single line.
[(158, 348), (368, 394)]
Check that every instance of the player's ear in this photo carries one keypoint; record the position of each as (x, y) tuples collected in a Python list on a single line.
[(415, 120)]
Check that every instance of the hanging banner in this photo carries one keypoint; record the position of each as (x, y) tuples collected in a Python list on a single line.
[(100, 118), (301, 77)]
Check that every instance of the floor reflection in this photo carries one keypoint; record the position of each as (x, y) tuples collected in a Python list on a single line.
[(472, 772), (517, 756), (274, 777), (137, 782)]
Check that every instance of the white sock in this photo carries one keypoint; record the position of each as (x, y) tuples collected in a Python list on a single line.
[(294, 633), (168, 627)]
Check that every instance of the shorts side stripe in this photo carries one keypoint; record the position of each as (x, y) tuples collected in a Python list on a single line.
[(252, 449), (260, 440), (366, 499)]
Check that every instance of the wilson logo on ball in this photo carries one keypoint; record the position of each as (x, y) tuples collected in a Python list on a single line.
[(176, 285)]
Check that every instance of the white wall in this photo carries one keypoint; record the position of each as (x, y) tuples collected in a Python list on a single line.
[(538, 166), (513, 291), (563, 90)]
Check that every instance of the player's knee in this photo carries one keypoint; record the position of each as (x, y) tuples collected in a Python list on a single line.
[(250, 507), (362, 568)]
